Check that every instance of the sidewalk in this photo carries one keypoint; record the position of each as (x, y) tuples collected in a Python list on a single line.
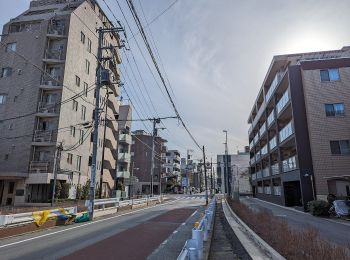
[(225, 244)]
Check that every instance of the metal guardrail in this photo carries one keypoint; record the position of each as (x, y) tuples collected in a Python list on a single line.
[(193, 248), (25, 218)]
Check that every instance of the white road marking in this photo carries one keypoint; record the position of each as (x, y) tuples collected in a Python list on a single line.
[(86, 224)]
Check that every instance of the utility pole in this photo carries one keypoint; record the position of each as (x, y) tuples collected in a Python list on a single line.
[(205, 178), (99, 69), (227, 185), (56, 167), (211, 176), (104, 144), (154, 134)]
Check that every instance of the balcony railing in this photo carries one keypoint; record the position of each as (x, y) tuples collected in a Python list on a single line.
[(273, 86), (267, 189), (277, 190), (124, 138), (287, 131), (252, 160), (259, 175), (44, 107), (123, 174), (266, 172), (283, 101), (262, 129), (251, 145), (250, 129), (289, 164), (273, 143), (51, 80), (39, 166), (264, 150), (260, 190), (42, 136), (258, 156), (56, 30), (271, 118), (254, 176), (54, 54), (256, 138), (124, 157), (275, 169)]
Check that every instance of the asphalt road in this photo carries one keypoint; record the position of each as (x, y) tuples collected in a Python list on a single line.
[(333, 230), (132, 235)]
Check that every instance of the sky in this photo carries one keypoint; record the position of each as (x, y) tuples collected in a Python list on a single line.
[(215, 54)]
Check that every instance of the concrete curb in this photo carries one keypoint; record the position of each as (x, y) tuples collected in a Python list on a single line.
[(255, 246)]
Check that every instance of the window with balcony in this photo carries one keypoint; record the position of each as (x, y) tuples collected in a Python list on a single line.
[(277, 190), (12, 46), (6, 72), (2, 99), (286, 132), (273, 86), (333, 110), (329, 75), (264, 150), (271, 118), (341, 147), (289, 164), (275, 169), (283, 101), (262, 129)]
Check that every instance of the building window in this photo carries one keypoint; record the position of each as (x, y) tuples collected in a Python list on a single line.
[(75, 105), (86, 89), (6, 157), (6, 72), (341, 147), (82, 37), (329, 75), (11, 47), (77, 81), (72, 131), (83, 112), (89, 43), (335, 109), (78, 163), (81, 137), (87, 67), (2, 98), (69, 158)]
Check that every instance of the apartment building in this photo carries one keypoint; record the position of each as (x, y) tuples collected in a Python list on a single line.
[(237, 170), (300, 128), (141, 158), (124, 152), (47, 57), (172, 167)]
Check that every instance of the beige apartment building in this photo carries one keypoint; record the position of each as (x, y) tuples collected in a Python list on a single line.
[(48, 71), (300, 129)]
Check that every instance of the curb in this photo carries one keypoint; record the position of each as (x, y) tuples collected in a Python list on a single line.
[(256, 247)]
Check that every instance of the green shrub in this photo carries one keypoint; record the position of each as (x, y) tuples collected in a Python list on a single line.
[(58, 190), (318, 207), (65, 191)]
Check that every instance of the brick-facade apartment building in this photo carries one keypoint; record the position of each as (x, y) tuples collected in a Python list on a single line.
[(141, 159), (37, 105), (300, 129)]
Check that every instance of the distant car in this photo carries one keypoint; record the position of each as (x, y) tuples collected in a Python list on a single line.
[(340, 208)]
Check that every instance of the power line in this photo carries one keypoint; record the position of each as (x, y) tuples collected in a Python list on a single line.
[(139, 25)]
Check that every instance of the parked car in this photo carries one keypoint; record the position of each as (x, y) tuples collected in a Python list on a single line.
[(340, 208)]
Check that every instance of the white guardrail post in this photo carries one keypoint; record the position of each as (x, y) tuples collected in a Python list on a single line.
[(194, 248)]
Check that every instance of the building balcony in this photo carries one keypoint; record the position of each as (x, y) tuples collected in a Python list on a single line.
[(123, 174), (287, 131), (252, 160), (251, 145), (271, 118), (289, 164), (262, 129), (124, 157), (125, 138), (250, 130), (258, 156), (277, 190), (51, 82), (254, 176), (273, 86), (56, 31), (264, 150), (43, 138), (47, 110), (273, 143), (54, 57), (260, 190), (283, 102), (256, 138), (266, 172), (275, 169), (259, 175), (267, 190), (39, 167)]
